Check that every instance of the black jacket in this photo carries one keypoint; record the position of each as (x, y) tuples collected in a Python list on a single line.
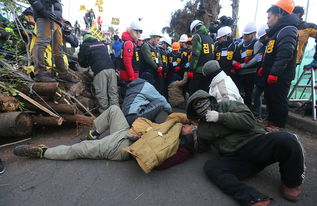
[(280, 55), (95, 54), (41, 8)]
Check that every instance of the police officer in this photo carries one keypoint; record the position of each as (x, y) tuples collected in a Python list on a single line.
[(246, 76), (203, 51)]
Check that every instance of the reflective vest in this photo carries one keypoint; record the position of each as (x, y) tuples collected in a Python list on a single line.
[(224, 55), (207, 50), (164, 57), (246, 51), (135, 58)]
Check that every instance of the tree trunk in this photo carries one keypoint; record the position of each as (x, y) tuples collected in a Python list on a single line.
[(235, 17), (46, 120), (13, 124), (59, 108), (80, 119), (8, 103), (211, 11), (75, 89), (89, 103), (42, 88)]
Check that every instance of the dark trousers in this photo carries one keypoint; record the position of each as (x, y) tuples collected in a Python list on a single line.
[(149, 111), (245, 85), (199, 82), (228, 170), (276, 100)]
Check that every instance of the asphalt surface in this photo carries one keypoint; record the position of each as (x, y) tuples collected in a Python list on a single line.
[(103, 182)]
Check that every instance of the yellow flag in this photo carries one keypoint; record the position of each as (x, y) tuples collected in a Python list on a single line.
[(115, 21), (82, 8), (100, 8)]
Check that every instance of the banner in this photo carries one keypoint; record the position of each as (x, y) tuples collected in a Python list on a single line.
[(99, 2), (97, 33), (100, 8), (82, 8), (115, 21)]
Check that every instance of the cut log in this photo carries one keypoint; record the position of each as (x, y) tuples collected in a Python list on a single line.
[(59, 108), (8, 103), (46, 120), (42, 88), (80, 119), (89, 103), (75, 89), (13, 124)]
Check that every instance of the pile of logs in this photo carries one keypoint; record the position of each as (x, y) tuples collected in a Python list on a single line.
[(45, 104)]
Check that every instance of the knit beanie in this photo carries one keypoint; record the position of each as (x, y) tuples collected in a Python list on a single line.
[(211, 67)]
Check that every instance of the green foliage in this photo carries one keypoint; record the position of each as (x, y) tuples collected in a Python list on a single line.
[(9, 89), (21, 106)]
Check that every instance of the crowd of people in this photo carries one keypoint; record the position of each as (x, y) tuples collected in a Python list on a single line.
[(219, 81)]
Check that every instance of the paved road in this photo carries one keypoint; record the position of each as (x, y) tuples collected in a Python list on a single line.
[(102, 182)]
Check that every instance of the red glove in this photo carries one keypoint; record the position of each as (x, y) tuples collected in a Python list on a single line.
[(233, 71), (237, 65), (176, 69), (260, 72), (271, 79), (160, 71), (190, 75), (247, 59), (131, 79)]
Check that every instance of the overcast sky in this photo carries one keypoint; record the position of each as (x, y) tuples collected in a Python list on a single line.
[(157, 14)]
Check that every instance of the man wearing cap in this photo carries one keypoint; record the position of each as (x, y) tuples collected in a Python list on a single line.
[(163, 46), (224, 50), (94, 54), (151, 60), (174, 60), (246, 76), (221, 86), (185, 51), (129, 58), (245, 149), (280, 60), (203, 51)]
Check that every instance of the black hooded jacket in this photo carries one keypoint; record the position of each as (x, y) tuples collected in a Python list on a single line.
[(95, 54), (41, 8), (280, 55)]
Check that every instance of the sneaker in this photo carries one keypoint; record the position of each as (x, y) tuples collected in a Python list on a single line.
[(2, 168), (291, 194), (91, 135), (30, 151)]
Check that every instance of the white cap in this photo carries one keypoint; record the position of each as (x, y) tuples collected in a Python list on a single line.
[(167, 40), (194, 24), (262, 31), (183, 38), (155, 33), (249, 28), (136, 25), (223, 31)]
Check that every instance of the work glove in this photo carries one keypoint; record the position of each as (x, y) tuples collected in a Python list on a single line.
[(190, 75), (247, 59), (187, 65), (260, 72), (212, 116), (237, 65), (271, 79), (177, 69), (159, 70), (233, 71)]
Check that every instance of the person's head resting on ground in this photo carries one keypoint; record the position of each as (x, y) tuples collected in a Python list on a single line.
[(249, 32), (135, 30), (277, 11), (175, 47), (299, 11), (223, 34), (147, 76), (195, 26), (211, 69), (198, 104), (189, 137), (155, 37)]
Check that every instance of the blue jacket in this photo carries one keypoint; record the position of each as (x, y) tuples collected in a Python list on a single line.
[(117, 46), (140, 92)]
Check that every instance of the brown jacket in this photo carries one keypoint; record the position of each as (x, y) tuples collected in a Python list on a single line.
[(175, 91)]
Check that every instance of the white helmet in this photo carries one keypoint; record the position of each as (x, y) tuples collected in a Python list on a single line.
[(136, 25), (167, 40), (183, 38), (249, 28), (262, 31), (194, 24), (155, 33), (223, 31)]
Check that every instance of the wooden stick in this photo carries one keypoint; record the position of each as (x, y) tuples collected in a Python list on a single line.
[(17, 142)]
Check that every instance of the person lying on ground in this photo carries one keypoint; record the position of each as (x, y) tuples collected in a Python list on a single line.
[(175, 136), (245, 149)]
